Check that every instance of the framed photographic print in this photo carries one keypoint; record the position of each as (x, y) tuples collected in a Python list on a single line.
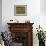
[(20, 10)]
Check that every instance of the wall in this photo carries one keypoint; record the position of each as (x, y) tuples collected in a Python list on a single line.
[(33, 10), (0, 15), (43, 14), (34, 14)]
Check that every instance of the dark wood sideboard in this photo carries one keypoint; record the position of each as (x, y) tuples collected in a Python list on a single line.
[(22, 33)]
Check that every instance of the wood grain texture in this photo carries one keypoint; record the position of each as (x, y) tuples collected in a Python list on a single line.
[(23, 27)]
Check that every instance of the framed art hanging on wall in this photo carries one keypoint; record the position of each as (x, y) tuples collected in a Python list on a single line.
[(20, 10)]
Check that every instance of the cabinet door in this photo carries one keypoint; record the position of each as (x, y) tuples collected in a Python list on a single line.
[(20, 37)]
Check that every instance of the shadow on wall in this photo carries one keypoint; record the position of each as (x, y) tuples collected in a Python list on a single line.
[(0, 15), (43, 6)]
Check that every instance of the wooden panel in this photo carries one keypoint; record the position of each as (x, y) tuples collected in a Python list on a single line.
[(22, 27)]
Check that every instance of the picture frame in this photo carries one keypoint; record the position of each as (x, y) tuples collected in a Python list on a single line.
[(20, 10)]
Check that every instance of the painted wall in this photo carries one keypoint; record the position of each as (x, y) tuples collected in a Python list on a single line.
[(34, 14), (33, 10), (43, 14), (0, 15)]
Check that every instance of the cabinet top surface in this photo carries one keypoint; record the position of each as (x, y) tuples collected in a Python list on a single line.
[(19, 23)]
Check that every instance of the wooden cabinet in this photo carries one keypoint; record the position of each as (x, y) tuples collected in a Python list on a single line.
[(22, 33)]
